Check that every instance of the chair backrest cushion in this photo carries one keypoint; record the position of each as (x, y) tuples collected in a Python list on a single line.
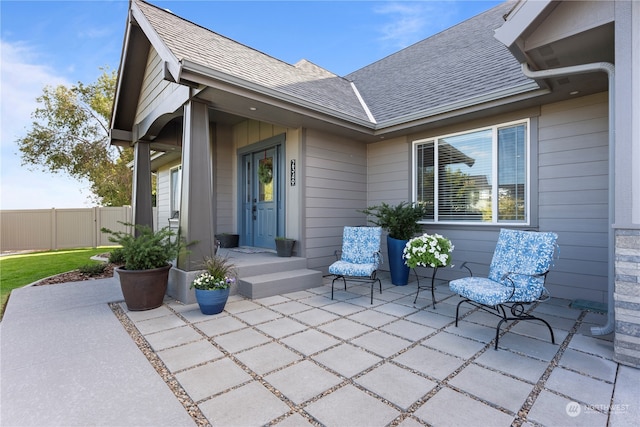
[(524, 253), (359, 244)]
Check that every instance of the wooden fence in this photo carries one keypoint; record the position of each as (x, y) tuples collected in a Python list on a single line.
[(48, 229)]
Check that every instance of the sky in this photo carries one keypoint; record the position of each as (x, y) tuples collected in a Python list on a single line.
[(48, 43)]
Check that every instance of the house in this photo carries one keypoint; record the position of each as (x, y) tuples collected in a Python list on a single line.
[(525, 116)]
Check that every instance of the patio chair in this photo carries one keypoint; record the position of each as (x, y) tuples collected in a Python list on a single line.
[(517, 273), (359, 258)]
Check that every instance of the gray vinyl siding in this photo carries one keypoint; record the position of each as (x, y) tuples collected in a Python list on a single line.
[(155, 88), (335, 189), (223, 179), (573, 180), (570, 176)]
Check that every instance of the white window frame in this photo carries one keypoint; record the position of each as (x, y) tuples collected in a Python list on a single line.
[(172, 198), (494, 179)]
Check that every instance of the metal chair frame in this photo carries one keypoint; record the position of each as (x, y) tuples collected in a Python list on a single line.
[(513, 310), (362, 249), (517, 309), (371, 279)]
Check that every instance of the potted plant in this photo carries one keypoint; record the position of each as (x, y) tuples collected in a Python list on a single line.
[(401, 223), (146, 255), (228, 240), (284, 246), (428, 250), (212, 286)]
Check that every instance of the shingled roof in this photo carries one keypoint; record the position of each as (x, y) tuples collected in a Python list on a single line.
[(460, 66), (304, 80)]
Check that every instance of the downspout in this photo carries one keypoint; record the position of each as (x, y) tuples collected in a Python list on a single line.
[(610, 70)]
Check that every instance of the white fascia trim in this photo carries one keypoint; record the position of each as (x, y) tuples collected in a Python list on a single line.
[(364, 105), (200, 70), (172, 63), (466, 103), (123, 56), (519, 20)]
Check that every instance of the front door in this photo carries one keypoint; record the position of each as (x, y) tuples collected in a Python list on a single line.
[(261, 195)]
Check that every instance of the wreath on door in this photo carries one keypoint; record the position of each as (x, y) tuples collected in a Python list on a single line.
[(265, 171)]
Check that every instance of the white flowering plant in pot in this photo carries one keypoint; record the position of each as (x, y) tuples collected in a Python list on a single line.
[(219, 274), (428, 250)]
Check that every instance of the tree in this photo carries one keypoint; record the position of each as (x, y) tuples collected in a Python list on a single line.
[(70, 134)]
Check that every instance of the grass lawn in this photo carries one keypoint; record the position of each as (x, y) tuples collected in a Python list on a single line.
[(20, 270)]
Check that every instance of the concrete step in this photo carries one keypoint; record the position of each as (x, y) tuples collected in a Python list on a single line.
[(282, 282), (267, 264)]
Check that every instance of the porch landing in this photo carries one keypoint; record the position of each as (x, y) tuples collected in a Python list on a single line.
[(264, 274)]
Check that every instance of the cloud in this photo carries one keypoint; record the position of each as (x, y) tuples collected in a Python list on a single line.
[(410, 22), (22, 79)]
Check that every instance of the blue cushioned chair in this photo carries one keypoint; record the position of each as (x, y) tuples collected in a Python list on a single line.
[(517, 274), (359, 258)]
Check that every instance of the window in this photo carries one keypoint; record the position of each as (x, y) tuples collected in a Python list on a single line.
[(480, 176), (176, 187)]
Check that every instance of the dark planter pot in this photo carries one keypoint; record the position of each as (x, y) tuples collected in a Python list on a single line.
[(228, 240), (399, 270), (284, 247), (212, 301), (143, 289)]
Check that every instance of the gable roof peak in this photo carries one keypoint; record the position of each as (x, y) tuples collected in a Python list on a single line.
[(310, 67)]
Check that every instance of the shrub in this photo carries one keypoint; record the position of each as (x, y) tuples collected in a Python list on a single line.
[(116, 256), (93, 269), (146, 249), (400, 221)]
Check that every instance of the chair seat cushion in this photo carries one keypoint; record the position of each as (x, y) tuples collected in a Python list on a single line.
[(344, 268), (481, 290)]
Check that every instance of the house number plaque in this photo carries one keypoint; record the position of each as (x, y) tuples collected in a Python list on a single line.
[(293, 172)]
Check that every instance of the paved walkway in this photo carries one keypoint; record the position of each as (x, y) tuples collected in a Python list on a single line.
[(302, 358)]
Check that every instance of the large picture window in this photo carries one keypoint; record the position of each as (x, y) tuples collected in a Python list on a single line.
[(480, 176)]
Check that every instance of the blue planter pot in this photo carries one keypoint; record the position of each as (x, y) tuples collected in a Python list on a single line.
[(399, 270), (212, 302)]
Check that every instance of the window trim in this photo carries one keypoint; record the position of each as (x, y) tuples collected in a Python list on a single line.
[(530, 165), (176, 169)]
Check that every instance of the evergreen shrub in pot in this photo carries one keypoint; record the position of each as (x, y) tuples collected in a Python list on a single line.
[(401, 223), (147, 257)]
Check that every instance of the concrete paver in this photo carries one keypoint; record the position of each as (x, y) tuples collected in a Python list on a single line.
[(400, 386), (450, 408), (350, 406), (505, 392), (551, 409), (188, 355), (266, 358), (259, 406), (346, 359), (303, 381)]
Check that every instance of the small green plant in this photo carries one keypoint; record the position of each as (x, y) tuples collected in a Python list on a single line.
[(146, 249), (93, 269), (116, 256), (220, 274), (400, 221)]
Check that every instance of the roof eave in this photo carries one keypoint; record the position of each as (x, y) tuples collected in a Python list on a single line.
[(519, 19), (192, 73), (483, 102)]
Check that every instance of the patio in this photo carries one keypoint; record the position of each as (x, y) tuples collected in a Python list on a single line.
[(302, 358)]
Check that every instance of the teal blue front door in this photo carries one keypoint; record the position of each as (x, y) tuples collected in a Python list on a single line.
[(261, 195)]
